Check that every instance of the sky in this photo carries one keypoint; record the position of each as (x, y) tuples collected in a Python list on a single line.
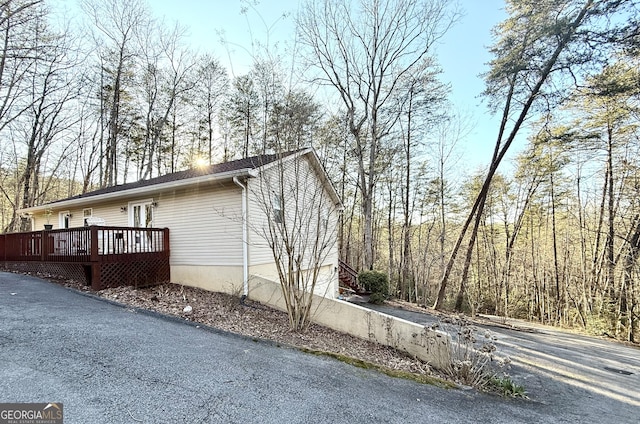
[(462, 53)]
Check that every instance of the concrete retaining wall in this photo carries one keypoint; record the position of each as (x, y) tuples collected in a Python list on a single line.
[(429, 345)]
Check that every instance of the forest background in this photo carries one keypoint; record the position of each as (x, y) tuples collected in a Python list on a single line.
[(551, 234)]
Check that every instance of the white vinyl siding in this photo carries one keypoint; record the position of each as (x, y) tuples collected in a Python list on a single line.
[(205, 225), (259, 210), (109, 211), (205, 222), (313, 201)]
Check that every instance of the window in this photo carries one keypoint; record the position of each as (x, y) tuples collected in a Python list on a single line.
[(64, 219), (324, 216), (86, 213), (278, 209), (141, 214)]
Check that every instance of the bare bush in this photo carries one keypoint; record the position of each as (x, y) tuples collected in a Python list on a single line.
[(474, 359)]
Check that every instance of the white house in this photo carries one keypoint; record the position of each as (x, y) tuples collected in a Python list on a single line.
[(230, 223), (230, 226)]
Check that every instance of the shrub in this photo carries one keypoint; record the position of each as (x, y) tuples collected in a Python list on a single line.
[(374, 281), (377, 283), (376, 298), (473, 358)]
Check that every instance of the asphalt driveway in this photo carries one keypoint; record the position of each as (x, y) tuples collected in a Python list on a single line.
[(578, 374), (110, 364)]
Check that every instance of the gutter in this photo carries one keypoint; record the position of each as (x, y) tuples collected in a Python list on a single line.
[(245, 225)]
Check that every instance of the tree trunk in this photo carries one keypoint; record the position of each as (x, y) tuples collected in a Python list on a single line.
[(499, 151), (556, 266)]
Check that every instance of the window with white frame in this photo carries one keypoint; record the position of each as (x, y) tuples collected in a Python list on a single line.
[(141, 214), (278, 208), (325, 216), (64, 219), (86, 213)]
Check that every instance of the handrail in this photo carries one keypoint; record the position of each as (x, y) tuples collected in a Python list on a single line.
[(349, 276), (347, 268)]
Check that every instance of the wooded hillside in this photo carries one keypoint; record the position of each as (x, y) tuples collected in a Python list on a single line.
[(553, 235)]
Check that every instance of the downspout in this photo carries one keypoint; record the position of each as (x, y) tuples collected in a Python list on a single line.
[(245, 224)]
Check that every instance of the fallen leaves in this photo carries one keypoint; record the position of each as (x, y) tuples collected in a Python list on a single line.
[(253, 319)]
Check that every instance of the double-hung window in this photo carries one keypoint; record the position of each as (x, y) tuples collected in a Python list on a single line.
[(278, 208)]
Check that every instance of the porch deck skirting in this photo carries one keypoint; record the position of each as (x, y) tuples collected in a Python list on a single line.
[(97, 256)]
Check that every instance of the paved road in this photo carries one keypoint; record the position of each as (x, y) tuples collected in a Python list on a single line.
[(110, 364), (575, 373)]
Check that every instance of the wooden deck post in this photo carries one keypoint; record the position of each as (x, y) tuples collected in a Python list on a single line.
[(43, 245), (96, 284), (3, 247), (93, 252), (165, 238)]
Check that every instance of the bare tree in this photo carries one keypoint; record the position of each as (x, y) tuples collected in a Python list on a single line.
[(421, 97), (267, 81), (535, 43), (300, 213), (177, 80), (240, 112), (115, 23), (212, 84), (18, 55), (37, 85), (53, 87), (363, 49)]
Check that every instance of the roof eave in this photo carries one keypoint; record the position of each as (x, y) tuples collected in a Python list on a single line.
[(170, 185)]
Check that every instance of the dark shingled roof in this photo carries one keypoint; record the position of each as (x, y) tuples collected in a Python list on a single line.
[(234, 165)]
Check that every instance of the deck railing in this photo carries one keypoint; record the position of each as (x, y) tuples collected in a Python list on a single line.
[(83, 244), (98, 255)]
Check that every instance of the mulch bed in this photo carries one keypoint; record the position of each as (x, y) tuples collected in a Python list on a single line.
[(252, 319)]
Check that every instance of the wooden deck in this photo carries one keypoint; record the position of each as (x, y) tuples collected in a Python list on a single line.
[(99, 256)]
